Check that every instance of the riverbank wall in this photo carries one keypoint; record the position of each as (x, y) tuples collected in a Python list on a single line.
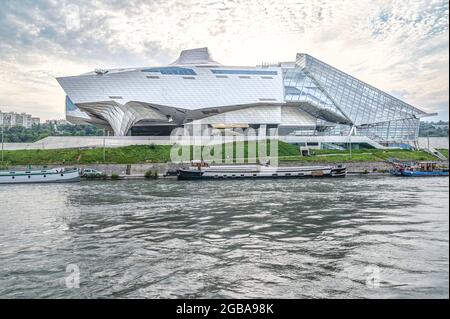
[(139, 170)]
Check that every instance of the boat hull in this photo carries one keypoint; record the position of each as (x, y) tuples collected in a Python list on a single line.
[(192, 174), (422, 174), (32, 178), (419, 169)]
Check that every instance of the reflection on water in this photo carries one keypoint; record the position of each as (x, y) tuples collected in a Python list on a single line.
[(358, 237)]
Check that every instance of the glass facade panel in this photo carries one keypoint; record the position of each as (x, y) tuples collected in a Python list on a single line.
[(373, 112), (300, 88), (69, 105), (392, 131)]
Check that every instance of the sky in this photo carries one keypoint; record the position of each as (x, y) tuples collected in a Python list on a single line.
[(401, 47)]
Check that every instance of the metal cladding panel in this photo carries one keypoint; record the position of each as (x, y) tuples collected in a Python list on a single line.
[(266, 114), (184, 87), (250, 115), (291, 115)]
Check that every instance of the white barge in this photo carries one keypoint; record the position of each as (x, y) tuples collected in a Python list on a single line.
[(55, 175), (259, 171)]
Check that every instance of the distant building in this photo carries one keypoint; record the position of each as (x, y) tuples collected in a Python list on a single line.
[(440, 125), (36, 120), (13, 119), (57, 122)]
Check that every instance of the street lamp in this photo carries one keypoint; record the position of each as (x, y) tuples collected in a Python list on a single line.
[(350, 140), (350, 144), (104, 144), (3, 124)]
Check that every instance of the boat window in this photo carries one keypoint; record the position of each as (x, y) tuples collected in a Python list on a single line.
[(274, 174), (28, 172), (288, 174), (29, 176), (13, 177), (254, 175), (45, 175), (242, 175)]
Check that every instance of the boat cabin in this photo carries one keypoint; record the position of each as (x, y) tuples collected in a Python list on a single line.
[(427, 166)]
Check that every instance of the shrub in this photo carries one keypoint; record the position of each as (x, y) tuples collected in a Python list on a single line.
[(114, 176), (101, 176), (151, 174), (4, 166)]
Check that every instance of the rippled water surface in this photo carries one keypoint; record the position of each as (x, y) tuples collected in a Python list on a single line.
[(359, 237)]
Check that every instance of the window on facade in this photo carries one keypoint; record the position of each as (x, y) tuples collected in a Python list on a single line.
[(246, 72), (171, 71), (267, 99)]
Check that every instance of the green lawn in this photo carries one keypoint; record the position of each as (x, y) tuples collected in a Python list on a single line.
[(361, 155), (121, 155), (161, 154), (444, 151)]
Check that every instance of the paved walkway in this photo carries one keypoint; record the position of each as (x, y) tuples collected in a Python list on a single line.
[(59, 142)]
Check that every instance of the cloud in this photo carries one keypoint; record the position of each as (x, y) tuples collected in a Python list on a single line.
[(398, 46)]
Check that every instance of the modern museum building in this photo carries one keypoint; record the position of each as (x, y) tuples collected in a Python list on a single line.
[(306, 101)]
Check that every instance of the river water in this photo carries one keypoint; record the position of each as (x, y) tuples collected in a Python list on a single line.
[(358, 237)]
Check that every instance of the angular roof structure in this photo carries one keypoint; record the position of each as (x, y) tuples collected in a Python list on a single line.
[(195, 56)]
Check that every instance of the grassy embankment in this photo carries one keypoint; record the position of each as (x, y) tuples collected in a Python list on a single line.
[(161, 154), (362, 155), (444, 152)]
